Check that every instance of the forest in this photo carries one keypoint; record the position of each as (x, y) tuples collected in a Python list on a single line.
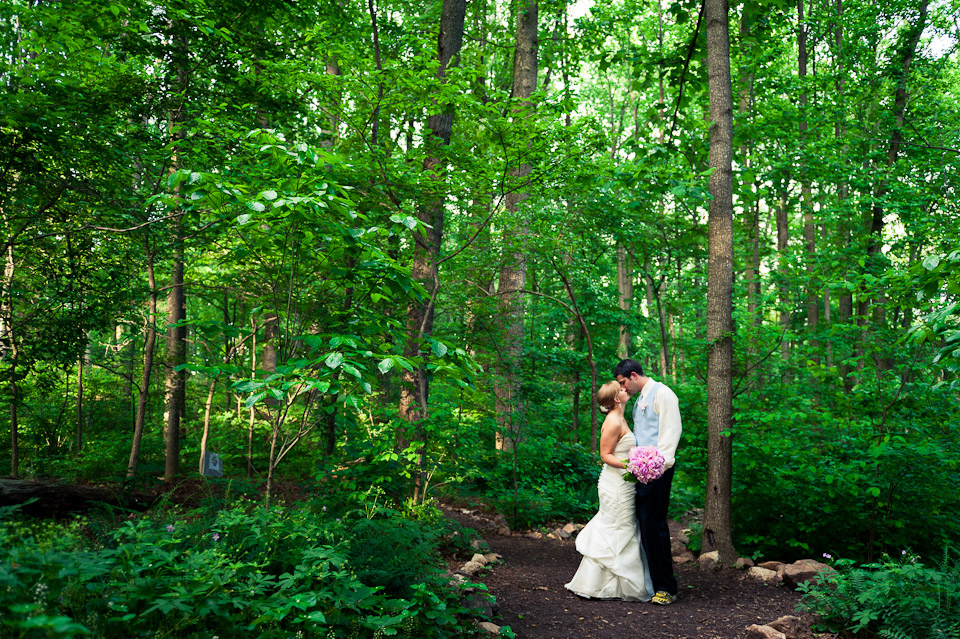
[(373, 255)]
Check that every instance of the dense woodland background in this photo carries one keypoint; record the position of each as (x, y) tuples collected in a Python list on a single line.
[(396, 245)]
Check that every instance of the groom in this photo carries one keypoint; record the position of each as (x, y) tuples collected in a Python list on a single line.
[(656, 422)]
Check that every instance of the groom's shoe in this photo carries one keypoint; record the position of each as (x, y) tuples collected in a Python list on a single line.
[(663, 598)]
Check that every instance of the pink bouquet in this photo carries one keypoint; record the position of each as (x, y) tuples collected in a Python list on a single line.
[(644, 464)]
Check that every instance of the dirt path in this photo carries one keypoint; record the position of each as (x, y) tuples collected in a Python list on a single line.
[(532, 600)]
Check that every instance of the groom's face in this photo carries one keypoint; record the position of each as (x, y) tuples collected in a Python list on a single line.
[(631, 384)]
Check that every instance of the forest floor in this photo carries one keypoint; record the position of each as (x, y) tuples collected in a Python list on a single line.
[(532, 600)]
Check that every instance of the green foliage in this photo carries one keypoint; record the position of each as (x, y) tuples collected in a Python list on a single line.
[(241, 571), (896, 598), (556, 481)]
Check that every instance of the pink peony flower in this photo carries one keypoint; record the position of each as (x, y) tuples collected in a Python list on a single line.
[(644, 464)]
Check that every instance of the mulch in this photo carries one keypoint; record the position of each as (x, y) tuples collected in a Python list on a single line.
[(532, 600)]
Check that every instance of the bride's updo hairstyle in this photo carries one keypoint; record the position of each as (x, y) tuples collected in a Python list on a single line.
[(607, 396)]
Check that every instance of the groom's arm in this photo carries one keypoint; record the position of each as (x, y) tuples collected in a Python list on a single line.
[(668, 408)]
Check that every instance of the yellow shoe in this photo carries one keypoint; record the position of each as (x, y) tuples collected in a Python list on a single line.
[(663, 598)]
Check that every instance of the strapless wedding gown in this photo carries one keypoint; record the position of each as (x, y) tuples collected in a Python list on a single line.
[(614, 565)]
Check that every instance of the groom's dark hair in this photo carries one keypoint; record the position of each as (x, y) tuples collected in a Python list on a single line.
[(628, 366)]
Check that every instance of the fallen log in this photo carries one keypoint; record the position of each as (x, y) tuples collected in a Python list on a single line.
[(57, 499)]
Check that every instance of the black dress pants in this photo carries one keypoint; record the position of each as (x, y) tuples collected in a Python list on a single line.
[(653, 499)]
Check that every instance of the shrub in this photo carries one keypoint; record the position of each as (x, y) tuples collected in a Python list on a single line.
[(897, 598), (244, 571)]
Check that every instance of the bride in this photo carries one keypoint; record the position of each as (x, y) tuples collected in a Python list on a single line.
[(614, 564)]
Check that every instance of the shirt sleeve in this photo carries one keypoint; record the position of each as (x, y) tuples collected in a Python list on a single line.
[(668, 408)]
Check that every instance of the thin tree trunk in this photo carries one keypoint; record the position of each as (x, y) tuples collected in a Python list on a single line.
[(806, 203), (252, 414), (149, 345), (783, 240), (625, 297), (717, 529), (10, 352), (79, 433)]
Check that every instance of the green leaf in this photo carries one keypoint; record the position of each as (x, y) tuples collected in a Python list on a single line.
[(334, 359), (439, 349), (253, 399), (385, 365), (247, 386)]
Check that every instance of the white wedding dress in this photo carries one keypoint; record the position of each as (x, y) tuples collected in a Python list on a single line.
[(614, 564)]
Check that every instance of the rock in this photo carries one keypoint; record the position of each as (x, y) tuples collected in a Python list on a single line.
[(457, 579), (686, 557), (476, 544), (569, 529), (743, 562), (492, 628), (552, 535), (561, 533), (763, 632), (710, 560), (504, 531), (492, 557), (478, 601), (677, 547), (793, 627), (763, 574), (470, 568), (804, 570), (770, 565), (684, 536), (534, 535), (480, 559)]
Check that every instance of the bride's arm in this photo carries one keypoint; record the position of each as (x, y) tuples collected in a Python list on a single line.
[(609, 436)]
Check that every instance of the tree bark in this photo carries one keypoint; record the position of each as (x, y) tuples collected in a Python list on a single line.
[(783, 241), (625, 297), (717, 530), (176, 352), (149, 345), (513, 272), (10, 352), (414, 391), (806, 198), (79, 406)]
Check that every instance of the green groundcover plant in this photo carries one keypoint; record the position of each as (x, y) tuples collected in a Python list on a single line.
[(320, 570), (898, 598)]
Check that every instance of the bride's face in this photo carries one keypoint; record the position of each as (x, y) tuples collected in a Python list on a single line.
[(623, 396)]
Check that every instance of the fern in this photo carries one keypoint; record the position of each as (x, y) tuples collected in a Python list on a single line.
[(898, 599)]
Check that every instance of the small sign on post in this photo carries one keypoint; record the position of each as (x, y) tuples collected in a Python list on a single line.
[(212, 465)]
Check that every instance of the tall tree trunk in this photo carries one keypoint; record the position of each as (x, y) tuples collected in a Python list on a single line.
[(624, 297), (175, 356), (806, 198), (513, 272), (251, 416), (149, 346), (79, 406), (717, 530), (176, 351), (783, 241), (414, 390), (10, 352)]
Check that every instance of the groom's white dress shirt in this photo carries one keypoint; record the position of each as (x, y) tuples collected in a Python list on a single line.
[(667, 407)]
